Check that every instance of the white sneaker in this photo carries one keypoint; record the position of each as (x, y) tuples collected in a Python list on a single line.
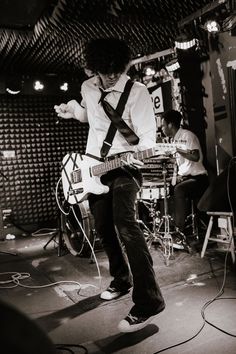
[(112, 293)]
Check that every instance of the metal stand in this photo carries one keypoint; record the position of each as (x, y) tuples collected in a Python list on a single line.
[(155, 234), (166, 238), (151, 235), (58, 233)]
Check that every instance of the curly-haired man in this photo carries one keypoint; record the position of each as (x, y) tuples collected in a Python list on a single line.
[(114, 212)]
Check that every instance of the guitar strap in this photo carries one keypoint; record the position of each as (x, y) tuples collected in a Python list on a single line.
[(117, 123), (70, 159)]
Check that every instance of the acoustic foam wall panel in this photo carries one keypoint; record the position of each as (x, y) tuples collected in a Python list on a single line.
[(32, 143)]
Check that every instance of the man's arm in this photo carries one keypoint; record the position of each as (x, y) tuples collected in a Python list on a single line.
[(71, 109), (192, 155)]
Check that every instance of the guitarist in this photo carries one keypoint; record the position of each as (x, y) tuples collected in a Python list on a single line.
[(114, 212)]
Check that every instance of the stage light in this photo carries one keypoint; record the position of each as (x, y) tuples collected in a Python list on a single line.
[(38, 86), (64, 86), (149, 71), (212, 26), (172, 65)]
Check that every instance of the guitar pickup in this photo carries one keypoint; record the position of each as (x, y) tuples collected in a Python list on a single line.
[(75, 191), (76, 176)]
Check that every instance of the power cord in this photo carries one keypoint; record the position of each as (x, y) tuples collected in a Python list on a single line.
[(220, 292), (16, 277), (66, 347), (203, 309), (217, 297)]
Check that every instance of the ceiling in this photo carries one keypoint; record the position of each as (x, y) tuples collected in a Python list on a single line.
[(48, 36)]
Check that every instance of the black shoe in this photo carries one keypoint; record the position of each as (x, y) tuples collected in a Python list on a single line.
[(178, 242), (133, 323)]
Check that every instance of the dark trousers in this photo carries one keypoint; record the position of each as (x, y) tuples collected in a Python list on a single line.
[(115, 214), (190, 188)]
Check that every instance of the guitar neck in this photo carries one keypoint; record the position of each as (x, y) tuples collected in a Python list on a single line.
[(117, 162), (120, 161)]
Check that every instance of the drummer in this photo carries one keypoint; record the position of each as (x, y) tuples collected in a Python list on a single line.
[(192, 178)]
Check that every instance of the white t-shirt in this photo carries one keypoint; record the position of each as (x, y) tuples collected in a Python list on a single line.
[(191, 142)]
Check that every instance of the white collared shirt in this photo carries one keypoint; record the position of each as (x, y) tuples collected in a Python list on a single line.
[(191, 142), (138, 114)]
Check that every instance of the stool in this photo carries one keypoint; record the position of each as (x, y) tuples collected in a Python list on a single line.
[(226, 237)]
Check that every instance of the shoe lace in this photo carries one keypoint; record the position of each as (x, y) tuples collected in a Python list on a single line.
[(133, 318)]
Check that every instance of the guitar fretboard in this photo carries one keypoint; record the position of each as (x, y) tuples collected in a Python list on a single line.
[(120, 161)]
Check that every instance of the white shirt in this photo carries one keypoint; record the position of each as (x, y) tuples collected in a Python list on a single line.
[(191, 142), (138, 114)]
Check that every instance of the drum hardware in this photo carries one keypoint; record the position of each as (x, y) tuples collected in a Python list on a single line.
[(69, 234), (150, 234), (151, 194), (167, 238)]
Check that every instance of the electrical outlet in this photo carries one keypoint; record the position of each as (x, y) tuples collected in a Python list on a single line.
[(6, 213), (222, 222)]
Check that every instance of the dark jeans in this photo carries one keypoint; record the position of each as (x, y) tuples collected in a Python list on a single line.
[(114, 214), (191, 188)]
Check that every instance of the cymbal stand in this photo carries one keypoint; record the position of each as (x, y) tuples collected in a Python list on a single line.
[(167, 241), (150, 235)]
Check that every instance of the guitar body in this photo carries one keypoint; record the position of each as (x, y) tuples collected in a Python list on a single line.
[(85, 184)]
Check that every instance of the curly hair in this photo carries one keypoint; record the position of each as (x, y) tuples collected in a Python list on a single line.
[(172, 116), (107, 55)]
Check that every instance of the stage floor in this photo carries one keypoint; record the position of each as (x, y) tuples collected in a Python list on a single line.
[(71, 312)]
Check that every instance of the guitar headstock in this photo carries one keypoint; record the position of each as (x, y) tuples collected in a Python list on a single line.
[(168, 148)]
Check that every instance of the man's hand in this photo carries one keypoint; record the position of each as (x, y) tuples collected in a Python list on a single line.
[(66, 110), (130, 160)]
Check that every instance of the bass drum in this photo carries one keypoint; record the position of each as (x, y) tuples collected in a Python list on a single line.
[(78, 228)]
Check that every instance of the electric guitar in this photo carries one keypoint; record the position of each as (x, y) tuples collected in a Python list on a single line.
[(81, 174)]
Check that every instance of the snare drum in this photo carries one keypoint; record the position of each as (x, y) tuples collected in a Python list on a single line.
[(152, 190)]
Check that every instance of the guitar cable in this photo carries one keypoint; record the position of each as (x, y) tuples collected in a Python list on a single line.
[(91, 247), (81, 228)]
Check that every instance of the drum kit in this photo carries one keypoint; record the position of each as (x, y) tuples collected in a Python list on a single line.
[(153, 208)]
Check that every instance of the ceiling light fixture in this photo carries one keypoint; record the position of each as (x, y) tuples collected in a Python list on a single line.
[(64, 86), (38, 86), (12, 92), (13, 85), (184, 43)]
